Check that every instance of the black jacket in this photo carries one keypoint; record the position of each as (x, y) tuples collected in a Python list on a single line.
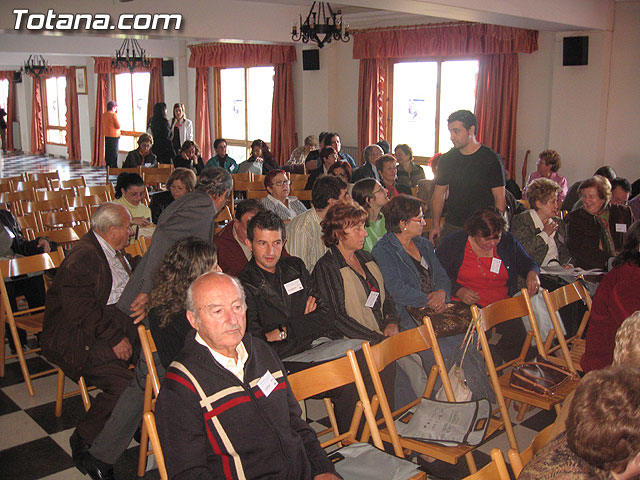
[(20, 245), (269, 309)]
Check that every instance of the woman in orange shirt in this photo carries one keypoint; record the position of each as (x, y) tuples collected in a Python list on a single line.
[(111, 128)]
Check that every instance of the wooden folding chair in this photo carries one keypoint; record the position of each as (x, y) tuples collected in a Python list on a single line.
[(495, 470), (87, 201), (519, 460), (242, 177), (15, 201), (9, 180), (5, 187), (256, 194), (42, 184), (333, 374), (572, 349), (54, 194), (303, 195), (157, 179), (74, 183), (144, 243), (39, 206), (133, 249), (108, 189), (56, 220), (489, 317), (112, 171), (152, 388), (29, 225), (379, 356), (30, 320), (150, 423), (82, 390), (52, 177), (222, 219)]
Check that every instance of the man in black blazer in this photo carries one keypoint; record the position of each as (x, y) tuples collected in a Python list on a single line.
[(368, 169)]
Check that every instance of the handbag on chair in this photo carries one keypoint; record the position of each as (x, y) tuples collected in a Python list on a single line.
[(539, 376)]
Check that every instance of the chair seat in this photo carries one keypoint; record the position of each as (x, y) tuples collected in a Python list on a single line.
[(361, 461), (545, 402), (32, 323)]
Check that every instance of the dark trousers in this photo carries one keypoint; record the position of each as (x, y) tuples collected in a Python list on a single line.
[(111, 151), (112, 378)]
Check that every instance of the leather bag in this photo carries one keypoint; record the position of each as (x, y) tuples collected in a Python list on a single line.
[(539, 376)]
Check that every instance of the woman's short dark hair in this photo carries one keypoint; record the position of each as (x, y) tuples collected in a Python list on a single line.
[(185, 175), (339, 217), (346, 166), (385, 159), (401, 208), (406, 149), (551, 158), (218, 141), (126, 180), (145, 137), (268, 178), (248, 205), (600, 183), (631, 249), (603, 426), (363, 190), (486, 222), (327, 151), (186, 145)]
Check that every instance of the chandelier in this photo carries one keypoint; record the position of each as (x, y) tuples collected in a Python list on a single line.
[(321, 25), (36, 65), (130, 55)]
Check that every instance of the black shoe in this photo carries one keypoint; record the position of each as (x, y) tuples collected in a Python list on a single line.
[(78, 448), (97, 469)]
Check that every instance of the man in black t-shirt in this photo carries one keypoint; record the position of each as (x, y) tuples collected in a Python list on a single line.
[(470, 176)]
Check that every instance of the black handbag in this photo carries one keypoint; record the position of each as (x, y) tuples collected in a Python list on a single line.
[(539, 376)]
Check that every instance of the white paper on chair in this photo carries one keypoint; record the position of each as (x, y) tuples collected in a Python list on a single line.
[(328, 350), (446, 423), (361, 461)]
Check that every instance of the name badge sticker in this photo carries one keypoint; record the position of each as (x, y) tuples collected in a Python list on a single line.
[(371, 301), (495, 265), (621, 227), (267, 383), (293, 286)]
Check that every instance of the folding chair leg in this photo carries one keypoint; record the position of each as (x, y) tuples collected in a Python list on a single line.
[(84, 393), (59, 393), (21, 359), (4, 346), (471, 462), (524, 408), (144, 446)]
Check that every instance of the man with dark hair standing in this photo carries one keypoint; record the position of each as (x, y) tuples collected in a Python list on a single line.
[(233, 254), (111, 129), (470, 176), (304, 233)]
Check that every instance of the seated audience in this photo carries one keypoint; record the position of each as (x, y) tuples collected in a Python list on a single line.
[(261, 160), (409, 173), (620, 191), (130, 191), (368, 169), (141, 156), (341, 169), (180, 182), (573, 196), (483, 262), (221, 159), (299, 154), (596, 230), (615, 299), (549, 163), (602, 440), (283, 306), (233, 253), (387, 169), (372, 196), (188, 157), (84, 333), (217, 370), (304, 234), (190, 216), (329, 139), (278, 200), (328, 158), (539, 230)]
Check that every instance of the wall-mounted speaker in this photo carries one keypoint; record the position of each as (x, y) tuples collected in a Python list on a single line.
[(311, 59), (575, 51), (17, 76), (167, 68)]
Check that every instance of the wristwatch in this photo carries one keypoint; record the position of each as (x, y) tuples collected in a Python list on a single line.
[(283, 334)]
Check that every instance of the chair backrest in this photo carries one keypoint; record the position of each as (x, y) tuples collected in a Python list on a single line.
[(111, 171), (156, 179), (329, 375), (43, 183), (32, 264), (242, 177), (54, 220), (495, 470), (17, 178), (74, 182), (57, 204), (144, 243), (50, 176), (519, 460), (29, 225), (66, 236), (304, 195), (99, 190), (566, 295), (256, 193), (89, 200), (222, 218), (150, 422), (148, 349), (5, 187), (53, 194), (133, 249)]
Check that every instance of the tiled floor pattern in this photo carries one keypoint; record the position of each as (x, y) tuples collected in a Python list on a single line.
[(34, 444)]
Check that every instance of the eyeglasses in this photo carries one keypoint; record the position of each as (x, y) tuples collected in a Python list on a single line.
[(417, 219), (343, 175), (281, 183)]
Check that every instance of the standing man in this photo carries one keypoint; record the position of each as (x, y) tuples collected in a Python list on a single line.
[(111, 128), (369, 170), (3, 130), (470, 176), (84, 333), (221, 159), (225, 409), (304, 234)]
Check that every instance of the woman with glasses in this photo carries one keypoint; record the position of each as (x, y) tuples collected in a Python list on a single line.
[(130, 191), (278, 199), (483, 262), (180, 182), (141, 156), (341, 169), (372, 197)]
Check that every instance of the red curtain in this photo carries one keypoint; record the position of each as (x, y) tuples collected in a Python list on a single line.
[(497, 98), (225, 55), (156, 91), (73, 122), (97, 155), (373, 89), (11, 105), (283, 128), (202, 127), (37, 118), (102, 67)]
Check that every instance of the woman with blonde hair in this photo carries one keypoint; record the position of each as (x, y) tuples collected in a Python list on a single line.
[(181, 127)]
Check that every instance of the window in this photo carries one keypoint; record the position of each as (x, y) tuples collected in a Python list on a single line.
[(56, 110), (4, 94), (132, 97), (246, 95), (424, 95)]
